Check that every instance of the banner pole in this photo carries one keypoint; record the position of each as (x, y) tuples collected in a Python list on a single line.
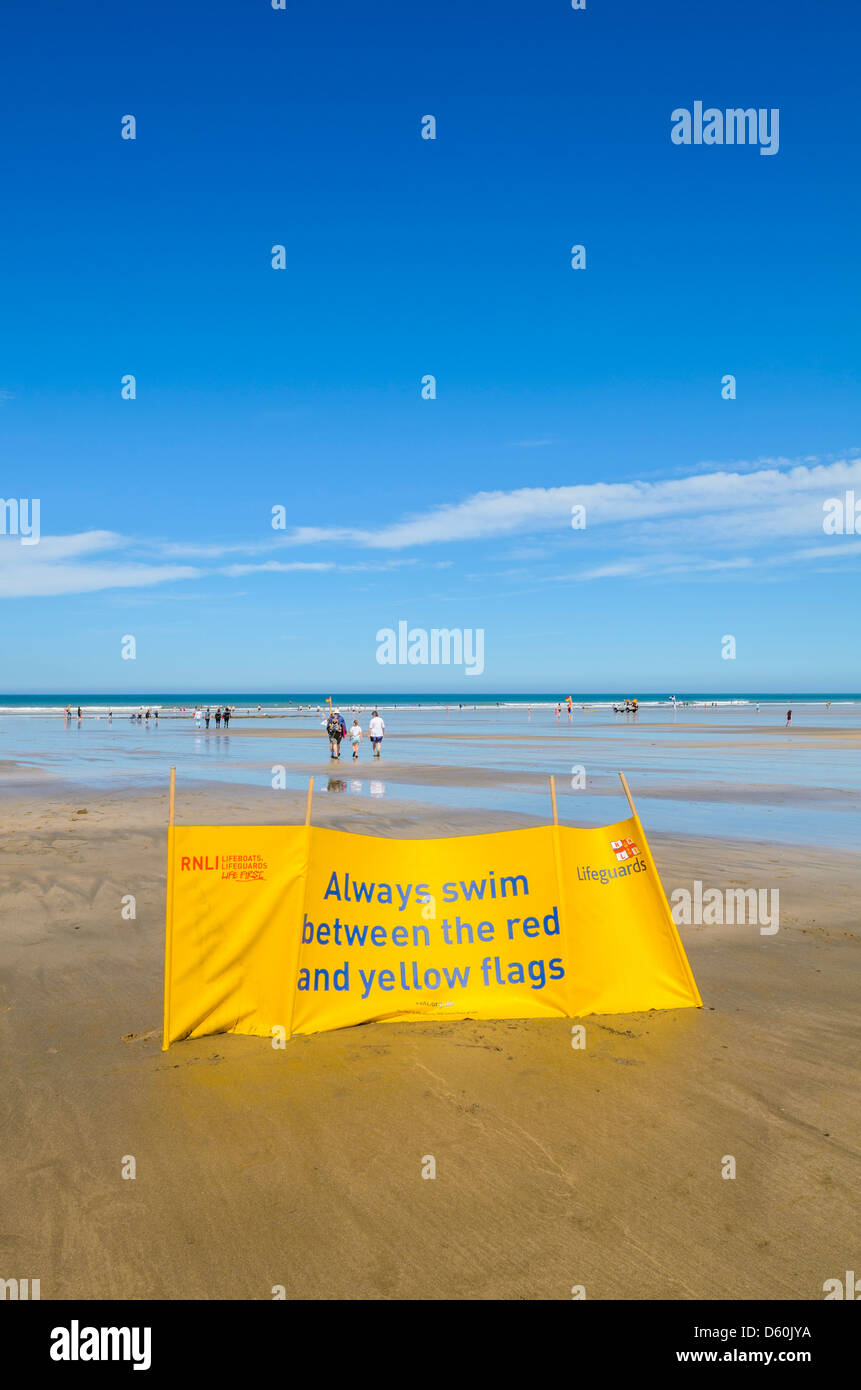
[(628, 793), (560, 880), (674, 931), (304, 898), (168, 913)]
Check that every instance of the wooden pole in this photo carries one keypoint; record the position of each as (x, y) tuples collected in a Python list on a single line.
[(628, 793), (560, 883), (645, 851), (168, 912), (308, 802)]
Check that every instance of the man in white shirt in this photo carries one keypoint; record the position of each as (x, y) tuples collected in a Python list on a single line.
[(376, 729)]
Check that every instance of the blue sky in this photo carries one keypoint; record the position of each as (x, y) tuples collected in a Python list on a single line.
[(301, 387)]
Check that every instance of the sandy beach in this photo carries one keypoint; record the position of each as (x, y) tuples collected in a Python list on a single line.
[(301, 1167)]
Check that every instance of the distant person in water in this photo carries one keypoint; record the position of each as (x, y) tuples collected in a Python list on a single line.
[(226, 715), (80, 716)]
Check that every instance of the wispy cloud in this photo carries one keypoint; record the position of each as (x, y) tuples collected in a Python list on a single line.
[(67, 565), (709, 523), (768, 502), (277, 567)]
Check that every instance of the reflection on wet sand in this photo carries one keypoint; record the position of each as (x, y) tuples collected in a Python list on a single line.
[(337, 784)]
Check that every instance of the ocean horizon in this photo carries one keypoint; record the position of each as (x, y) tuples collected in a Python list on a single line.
[(98, 702)]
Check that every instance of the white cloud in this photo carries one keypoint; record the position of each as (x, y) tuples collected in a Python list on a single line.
[(62, 565), (278, 567), (770, 502), (704, 522), (840, 546)]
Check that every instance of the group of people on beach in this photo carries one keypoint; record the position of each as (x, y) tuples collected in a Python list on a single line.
[(336, 730), (222, 716), (67, 714)]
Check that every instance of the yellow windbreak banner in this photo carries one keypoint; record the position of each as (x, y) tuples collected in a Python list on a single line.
[(312, 929), (237, 913)]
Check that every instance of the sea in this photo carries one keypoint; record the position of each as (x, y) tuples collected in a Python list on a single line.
[(283, 703)]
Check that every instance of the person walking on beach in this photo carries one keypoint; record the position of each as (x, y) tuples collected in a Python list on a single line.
[(788, 718), (218, 717), (376, 729), (226, 716), (336, 729), (197, 718), (207, 716), (80, 716), (355, 737)]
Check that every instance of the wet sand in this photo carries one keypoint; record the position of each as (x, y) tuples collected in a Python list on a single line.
[(258, 1167), (666, 737)]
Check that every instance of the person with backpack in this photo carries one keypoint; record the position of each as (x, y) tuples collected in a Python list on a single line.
[(336, 729)]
